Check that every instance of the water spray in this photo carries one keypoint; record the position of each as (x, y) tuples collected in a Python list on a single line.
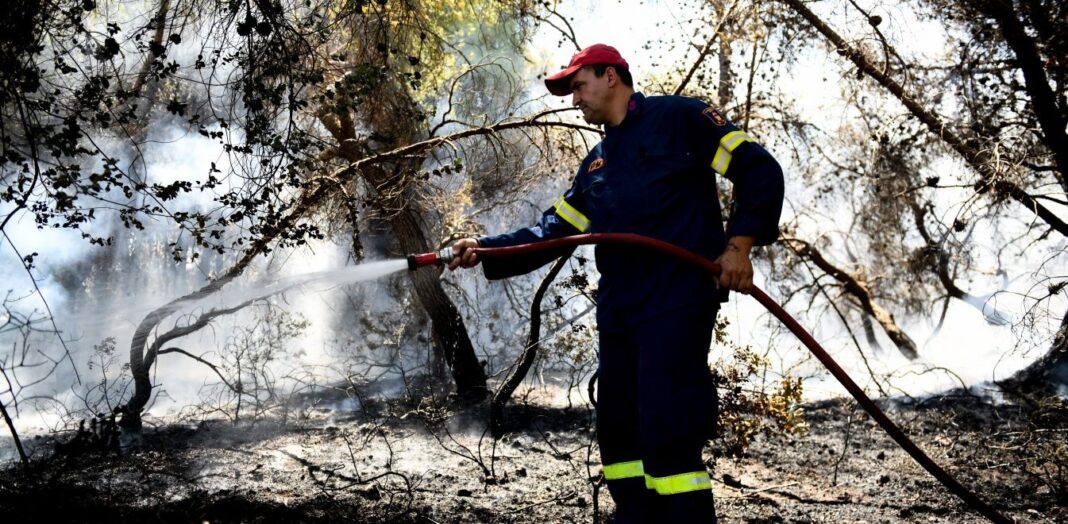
[(446, 255)]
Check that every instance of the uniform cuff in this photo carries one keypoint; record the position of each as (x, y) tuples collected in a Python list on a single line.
[(762, 236), (491, 241)]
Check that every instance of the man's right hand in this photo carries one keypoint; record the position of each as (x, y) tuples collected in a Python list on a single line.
[(464, 254)]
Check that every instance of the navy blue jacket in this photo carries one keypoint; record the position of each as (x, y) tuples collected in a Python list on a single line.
[(654, 175)]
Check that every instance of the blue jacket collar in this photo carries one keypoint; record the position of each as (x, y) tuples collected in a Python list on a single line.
[(635, 104), (634, 110)]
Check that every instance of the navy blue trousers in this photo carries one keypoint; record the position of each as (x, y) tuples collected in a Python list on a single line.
[(656, 407)]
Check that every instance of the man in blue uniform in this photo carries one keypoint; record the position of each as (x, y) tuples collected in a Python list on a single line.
[(654, 174)]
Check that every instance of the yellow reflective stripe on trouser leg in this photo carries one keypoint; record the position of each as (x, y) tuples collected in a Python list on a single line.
[(624, 470), (681, 483), (572, 215), (727, 145)]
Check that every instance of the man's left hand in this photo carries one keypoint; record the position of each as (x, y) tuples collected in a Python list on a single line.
[(737, 269)]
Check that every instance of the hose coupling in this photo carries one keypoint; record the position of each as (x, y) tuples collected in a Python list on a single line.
[(442, 257)]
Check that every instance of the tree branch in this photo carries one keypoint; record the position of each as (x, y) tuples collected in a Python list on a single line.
[(941, 270), (202, 361), (858, 288), (979, 160), (706, 49), (1043, 99), (14, 433)]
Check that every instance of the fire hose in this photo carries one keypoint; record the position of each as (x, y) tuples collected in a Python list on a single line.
[(446, 255)]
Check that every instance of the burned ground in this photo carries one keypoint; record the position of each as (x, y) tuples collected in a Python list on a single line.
[(429, 463)]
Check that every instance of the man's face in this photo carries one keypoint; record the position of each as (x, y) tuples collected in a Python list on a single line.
[(590, 94)]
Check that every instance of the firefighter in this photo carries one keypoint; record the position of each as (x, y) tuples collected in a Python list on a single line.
[(653, 174)]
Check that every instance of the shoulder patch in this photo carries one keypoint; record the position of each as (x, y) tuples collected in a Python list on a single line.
[(714, 116), (597, 163)]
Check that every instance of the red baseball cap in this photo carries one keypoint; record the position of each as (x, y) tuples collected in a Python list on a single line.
[(559, 84)]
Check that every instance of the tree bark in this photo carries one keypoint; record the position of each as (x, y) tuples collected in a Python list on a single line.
[(450, 333), (393, 120), (725, 88)]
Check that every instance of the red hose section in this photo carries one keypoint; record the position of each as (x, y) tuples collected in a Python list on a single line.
[(899, 436)]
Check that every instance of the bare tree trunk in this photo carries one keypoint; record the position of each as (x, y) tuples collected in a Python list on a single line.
[(394, 120), (725, 88), (450, 333)]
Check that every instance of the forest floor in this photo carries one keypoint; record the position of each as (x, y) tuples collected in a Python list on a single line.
[(405, 463)]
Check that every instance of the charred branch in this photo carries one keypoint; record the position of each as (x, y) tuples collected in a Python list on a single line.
[(131, 419), (204, 361), (865, 321), (858, 288), (15, 436), (939, 261)]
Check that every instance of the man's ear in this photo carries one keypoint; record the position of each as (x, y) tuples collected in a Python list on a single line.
[(613, 75)]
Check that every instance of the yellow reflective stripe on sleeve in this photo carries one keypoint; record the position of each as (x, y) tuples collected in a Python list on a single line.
[(681, 483), (572, 215), (624, 470), (727, 145)]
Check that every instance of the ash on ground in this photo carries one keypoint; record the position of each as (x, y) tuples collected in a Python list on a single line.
[(431, 461)]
